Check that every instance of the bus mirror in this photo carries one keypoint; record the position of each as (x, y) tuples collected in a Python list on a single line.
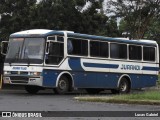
[(4, 46)]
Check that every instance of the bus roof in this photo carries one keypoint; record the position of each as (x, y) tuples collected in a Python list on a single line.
[(45, 33), (36, 33), (110, 39)]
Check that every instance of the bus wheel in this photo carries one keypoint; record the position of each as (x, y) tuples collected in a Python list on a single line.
[(63, 86), (93, 90), (124, 86), (32, 89)]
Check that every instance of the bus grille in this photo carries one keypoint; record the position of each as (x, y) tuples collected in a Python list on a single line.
[(19, 79)]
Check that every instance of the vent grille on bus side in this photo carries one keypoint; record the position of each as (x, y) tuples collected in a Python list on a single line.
[(16, 72), (19, 79)]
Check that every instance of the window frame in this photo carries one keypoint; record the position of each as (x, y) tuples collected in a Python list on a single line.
[(55, 38), (47, 49), (99, 48), (141, 53), (72, 45), (155, 48), (125, 59)]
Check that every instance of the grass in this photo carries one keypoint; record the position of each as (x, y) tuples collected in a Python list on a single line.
[(149, 97)]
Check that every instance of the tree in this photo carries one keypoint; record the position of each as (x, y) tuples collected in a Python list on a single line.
[(112, 28), (154, 30), (137, 14), (15, 16), (72, 15)]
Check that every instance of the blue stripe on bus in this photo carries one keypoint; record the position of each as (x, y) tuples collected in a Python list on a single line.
[(150, 68), (97, 65), (75, 64)]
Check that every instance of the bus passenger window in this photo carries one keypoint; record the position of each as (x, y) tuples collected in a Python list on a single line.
[(135, 52), (148, 53), (60, 39), (94, 48), (51, 38), (118, 51), (79, 46), (98, 49), (56, 53), (69, 47)]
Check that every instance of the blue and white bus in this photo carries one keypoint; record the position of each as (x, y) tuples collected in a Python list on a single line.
[(64, 61)]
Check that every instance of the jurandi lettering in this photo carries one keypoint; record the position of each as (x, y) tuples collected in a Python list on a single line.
[(130, 67)]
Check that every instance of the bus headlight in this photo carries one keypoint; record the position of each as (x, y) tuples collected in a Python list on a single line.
[(35, 73), (7, 72)]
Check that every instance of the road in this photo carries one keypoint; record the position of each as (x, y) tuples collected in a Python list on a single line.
[(19, 100)]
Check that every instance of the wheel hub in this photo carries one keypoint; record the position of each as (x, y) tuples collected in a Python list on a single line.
[(62, 84), (123, 86)]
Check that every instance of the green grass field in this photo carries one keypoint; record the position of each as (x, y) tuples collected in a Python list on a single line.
[(146, 97)]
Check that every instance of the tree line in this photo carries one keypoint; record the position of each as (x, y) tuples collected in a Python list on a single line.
[(17, 15), (139, 18)]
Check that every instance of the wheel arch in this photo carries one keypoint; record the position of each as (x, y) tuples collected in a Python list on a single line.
[(126, 76), (70, 79)]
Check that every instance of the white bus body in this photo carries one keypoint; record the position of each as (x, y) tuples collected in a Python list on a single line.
[(65, 60)]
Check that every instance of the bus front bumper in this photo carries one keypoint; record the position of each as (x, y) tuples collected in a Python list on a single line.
[(23, 80)]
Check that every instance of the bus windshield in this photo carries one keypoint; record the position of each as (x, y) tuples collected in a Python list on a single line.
[(25, 50)]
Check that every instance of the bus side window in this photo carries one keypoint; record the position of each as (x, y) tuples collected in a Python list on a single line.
[(148, 53), (135, 52), (98, 49), (118, 51), (69, 47), (79, 47), (56, 53)]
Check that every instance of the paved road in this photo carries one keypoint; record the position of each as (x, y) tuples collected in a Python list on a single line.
[(19, 100)]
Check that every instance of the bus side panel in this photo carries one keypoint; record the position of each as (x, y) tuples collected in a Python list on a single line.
[(49, 78), (107, 80), (141, 81), (95, 80), (150, 80), (80, 79), (150, 68), (110, 80)]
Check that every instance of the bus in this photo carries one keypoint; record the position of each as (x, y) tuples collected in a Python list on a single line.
[(63, 61)]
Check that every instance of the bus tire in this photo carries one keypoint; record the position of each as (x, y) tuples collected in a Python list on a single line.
[(32, 89), (93, 90), (63, 85), (124, 86)]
